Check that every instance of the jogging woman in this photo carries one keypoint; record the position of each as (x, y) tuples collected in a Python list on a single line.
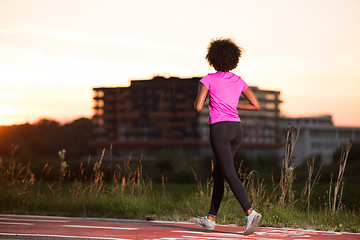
[(224, 89)]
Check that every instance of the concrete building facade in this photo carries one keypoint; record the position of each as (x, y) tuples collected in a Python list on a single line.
[(152, 115), (319, 136)]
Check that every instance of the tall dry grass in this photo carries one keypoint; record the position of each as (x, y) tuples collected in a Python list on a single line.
[(335, 200), (310, 182), (131, 194), (288, 166)]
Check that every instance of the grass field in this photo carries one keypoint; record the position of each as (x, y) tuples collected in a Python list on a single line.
[(134, 196)]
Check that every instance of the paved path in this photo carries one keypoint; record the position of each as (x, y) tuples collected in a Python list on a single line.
[(56, 228)]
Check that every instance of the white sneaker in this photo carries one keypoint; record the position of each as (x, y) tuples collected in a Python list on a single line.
[(251, 222), (204, 222)]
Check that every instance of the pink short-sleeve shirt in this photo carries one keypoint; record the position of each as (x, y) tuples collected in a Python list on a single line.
[(224, 89)]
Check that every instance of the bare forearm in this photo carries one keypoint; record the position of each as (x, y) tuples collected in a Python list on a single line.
[(198, 105), (253, 103), (248, 106), (201, 97)]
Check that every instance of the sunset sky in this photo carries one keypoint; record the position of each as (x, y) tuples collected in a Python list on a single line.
[(52, 53)]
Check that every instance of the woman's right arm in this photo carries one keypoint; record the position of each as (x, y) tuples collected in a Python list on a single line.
[(201, 97), (253, 101)]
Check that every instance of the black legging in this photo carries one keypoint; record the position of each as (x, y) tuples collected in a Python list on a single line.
[(225, 138)]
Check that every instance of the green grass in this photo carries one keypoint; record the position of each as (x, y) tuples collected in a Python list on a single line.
[(175, 202), (131, 195)]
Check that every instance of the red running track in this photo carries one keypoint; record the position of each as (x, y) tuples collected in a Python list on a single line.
[(40, 227)]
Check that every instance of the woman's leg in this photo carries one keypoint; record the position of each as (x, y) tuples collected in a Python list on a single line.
[(225, 138), (218, 190)]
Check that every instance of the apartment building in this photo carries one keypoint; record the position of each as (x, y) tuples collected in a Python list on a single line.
[(147, 116), (152, 115)]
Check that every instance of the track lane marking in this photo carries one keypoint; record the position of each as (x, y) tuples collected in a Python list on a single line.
[(63, 236), (211, 233), (16, 223), (207, 238), (33, 220), (84, 226), (31, 216)]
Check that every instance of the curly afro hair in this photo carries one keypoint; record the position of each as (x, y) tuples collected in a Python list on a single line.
[(223, 54)]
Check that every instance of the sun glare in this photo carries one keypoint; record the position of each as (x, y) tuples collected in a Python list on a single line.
[(5, 114), (4, 121)]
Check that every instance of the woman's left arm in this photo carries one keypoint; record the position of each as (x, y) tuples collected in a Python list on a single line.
[(201, 97), (253, 101)]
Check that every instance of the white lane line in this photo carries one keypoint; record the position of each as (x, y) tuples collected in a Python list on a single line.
[(31, 216), (116, 228), (166, 238), (33, 220), (212, 233), (16, 223), (62, 236), (207, 238)]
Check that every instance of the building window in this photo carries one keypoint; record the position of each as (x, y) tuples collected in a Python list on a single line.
[(314, 133), (270, 106), (270, 97), (99, 112), (99, 94), (100, 103)]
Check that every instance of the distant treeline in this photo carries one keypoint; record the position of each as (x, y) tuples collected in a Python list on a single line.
[(45, 138), (38, 145)]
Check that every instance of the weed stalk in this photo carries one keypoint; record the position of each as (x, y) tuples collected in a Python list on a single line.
[(339, 184), (288, 166)]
